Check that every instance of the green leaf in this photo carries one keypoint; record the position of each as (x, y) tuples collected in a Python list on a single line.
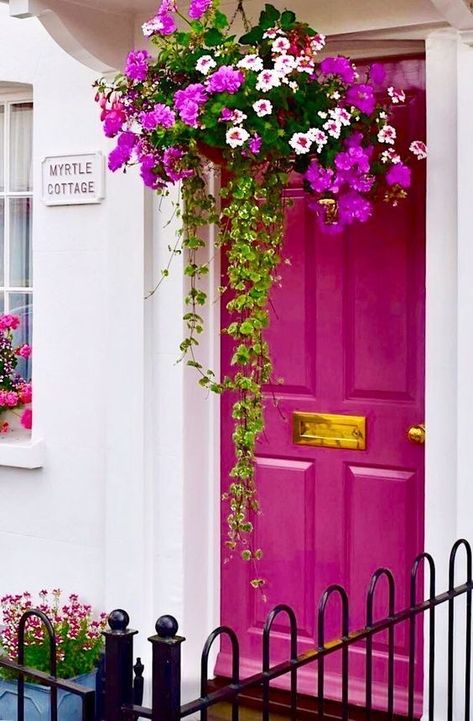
[(269, 17), (213, 37), (221, 21), (253, 37), (288, 19)]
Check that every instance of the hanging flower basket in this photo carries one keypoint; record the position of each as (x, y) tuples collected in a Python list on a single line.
[(263, 106)]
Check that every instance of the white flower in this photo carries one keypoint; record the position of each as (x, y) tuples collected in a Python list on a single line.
[(262, 107), (335, 95), (318, 137), (205, 64), (155, 25), (301, 143), (304, 64), (293, 85), (317, 42), (387, 135), (419, 149), (390, 156), (322, 115), (268, 79), (333, 128), (341, 115), (397, 96), (285, 64), (280, 45), (382, 115), (251, 62), (238, 117), (236, 136), (272, 33)]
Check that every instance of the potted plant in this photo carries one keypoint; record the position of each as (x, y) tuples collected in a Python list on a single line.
[(79, 644), (264, 106), (15, 391)]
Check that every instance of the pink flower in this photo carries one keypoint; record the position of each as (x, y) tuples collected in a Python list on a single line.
[(189, 101), (122, 153), (172, 158), (9, 321), (255, 144), (399, 174), (198, 8), (113, 119), (148, 174), (24, 351), (11, 399), (161, 116), (27, 419), (361, 95), (25, 393), (136, 67), (419, 149), (338, 66), (225, 80)]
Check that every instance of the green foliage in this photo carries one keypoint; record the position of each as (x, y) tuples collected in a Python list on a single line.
[(79, 640)]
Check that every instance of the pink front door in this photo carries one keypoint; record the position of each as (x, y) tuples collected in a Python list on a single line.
[(347, 334)]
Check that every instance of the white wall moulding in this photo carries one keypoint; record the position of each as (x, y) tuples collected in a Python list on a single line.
[(100, 34), (96, 36), (19, 451), (73, 179)]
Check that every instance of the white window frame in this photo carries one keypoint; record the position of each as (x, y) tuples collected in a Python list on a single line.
[(7, 99)]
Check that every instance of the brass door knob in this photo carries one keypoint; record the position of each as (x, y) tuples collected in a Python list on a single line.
[(416, 434)]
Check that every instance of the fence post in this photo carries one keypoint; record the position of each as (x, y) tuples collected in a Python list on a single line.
[(118, 664), (166, 689)]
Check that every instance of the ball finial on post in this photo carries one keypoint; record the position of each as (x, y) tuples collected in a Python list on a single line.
[(118, 620), (166, 626)]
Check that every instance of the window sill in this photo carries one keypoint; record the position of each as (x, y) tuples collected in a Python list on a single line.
[(17, 450)]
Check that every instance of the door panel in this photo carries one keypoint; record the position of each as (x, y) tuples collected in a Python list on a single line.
[(347, 337)]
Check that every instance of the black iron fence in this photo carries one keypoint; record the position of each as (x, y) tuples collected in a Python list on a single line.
[(118, 696)]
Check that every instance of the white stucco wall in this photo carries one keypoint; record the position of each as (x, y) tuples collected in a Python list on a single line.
[(59, 523)]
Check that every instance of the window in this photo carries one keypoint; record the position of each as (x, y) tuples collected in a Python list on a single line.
[(16, 203)]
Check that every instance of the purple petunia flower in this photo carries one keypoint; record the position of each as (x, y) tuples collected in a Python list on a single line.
[(113, 119), (122, 153), (399, 174), (319, 178), (353, 206), (362, 97), (161, 116), (338, 66), (150, 179), (136, 67), (255, 144), (225, 80), (171, 161), (198, 8), (188, 103), (163, 22)]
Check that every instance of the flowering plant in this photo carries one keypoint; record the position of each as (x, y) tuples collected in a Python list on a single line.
[(15, 391), (267, 106), (79, 640)]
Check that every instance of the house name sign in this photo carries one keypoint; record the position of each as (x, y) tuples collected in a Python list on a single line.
[(73, 179)]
